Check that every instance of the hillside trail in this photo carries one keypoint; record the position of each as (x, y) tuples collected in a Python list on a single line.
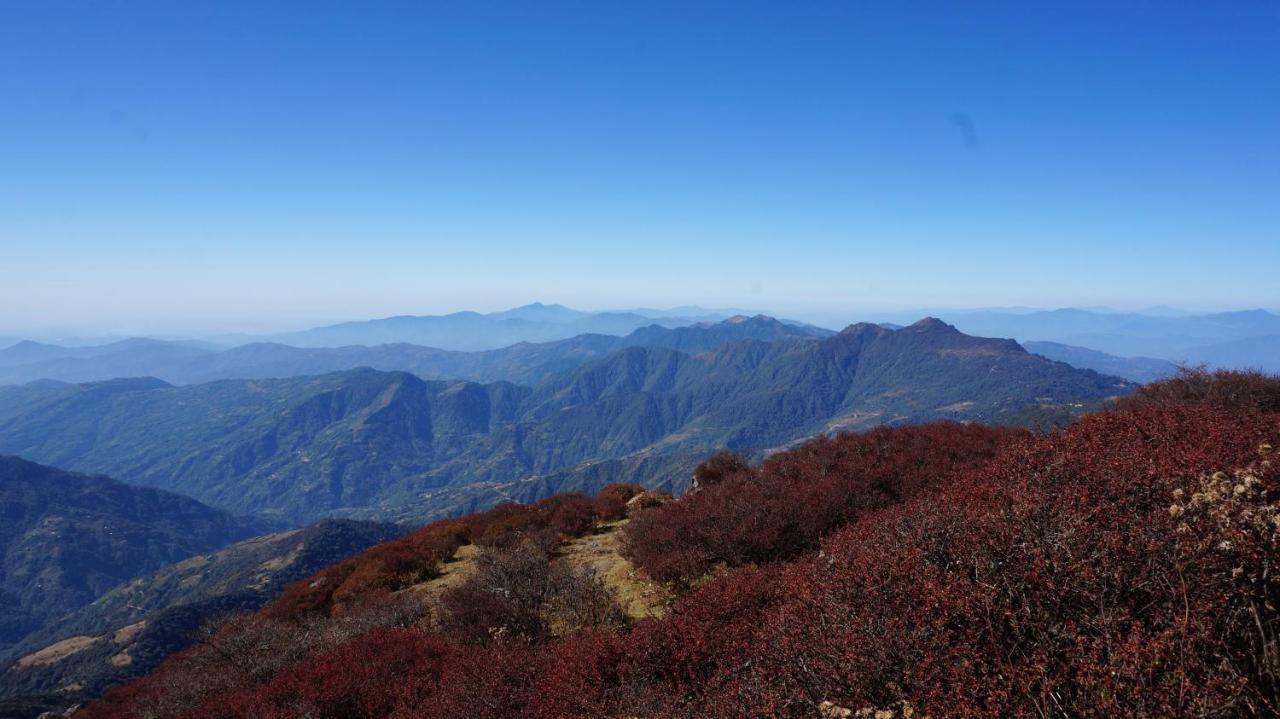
[(601, 553)]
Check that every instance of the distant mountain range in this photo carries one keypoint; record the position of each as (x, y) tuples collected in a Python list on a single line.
[(67, 538), (527, 344), (472, 331), (523, 363), (138, 348), (375, 443)]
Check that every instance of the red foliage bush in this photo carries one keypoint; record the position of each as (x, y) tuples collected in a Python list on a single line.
[(482, 682), (1109, 570), (1061, 579), (582, 677), (611, 502), (719, 467), (381, 569), (1229, 389), (796, 497), (559, 516), (367, 677)]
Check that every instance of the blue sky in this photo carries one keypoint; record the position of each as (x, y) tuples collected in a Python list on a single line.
[(217, 166)]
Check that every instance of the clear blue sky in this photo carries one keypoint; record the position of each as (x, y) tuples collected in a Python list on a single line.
[(166, 165)]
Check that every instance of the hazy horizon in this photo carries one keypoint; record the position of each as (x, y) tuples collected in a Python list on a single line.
[(235, 167), (233, 331)]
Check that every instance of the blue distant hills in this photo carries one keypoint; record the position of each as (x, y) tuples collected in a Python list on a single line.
[(529, 343)]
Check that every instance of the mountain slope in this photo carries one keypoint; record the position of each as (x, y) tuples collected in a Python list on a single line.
[(1135, 369), (1259, 352), (363, 440), (128, 630), (298, 447), (67, 538)]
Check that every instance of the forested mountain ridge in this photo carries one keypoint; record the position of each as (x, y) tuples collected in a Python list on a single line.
[(303, 448)]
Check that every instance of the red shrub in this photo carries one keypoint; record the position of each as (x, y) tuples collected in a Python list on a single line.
[(717, 468), (489, 682), (1228, 389), (581, 678), (311, 595), (1059, 580), (561, 515), (662, 666), (378, 570), (611, 502), (796, 497), (569, 515), (366, 677)]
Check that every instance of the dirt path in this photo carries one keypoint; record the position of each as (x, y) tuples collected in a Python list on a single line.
[(639, 597)]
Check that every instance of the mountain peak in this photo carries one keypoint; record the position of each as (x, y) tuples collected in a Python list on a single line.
[(28, 344), (931, 324), (753, 319), (862, 327), (534, 306)]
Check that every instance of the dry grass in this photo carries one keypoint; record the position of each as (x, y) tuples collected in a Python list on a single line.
[(639, 597), (57, 651), (452, 573), (125, 634)]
